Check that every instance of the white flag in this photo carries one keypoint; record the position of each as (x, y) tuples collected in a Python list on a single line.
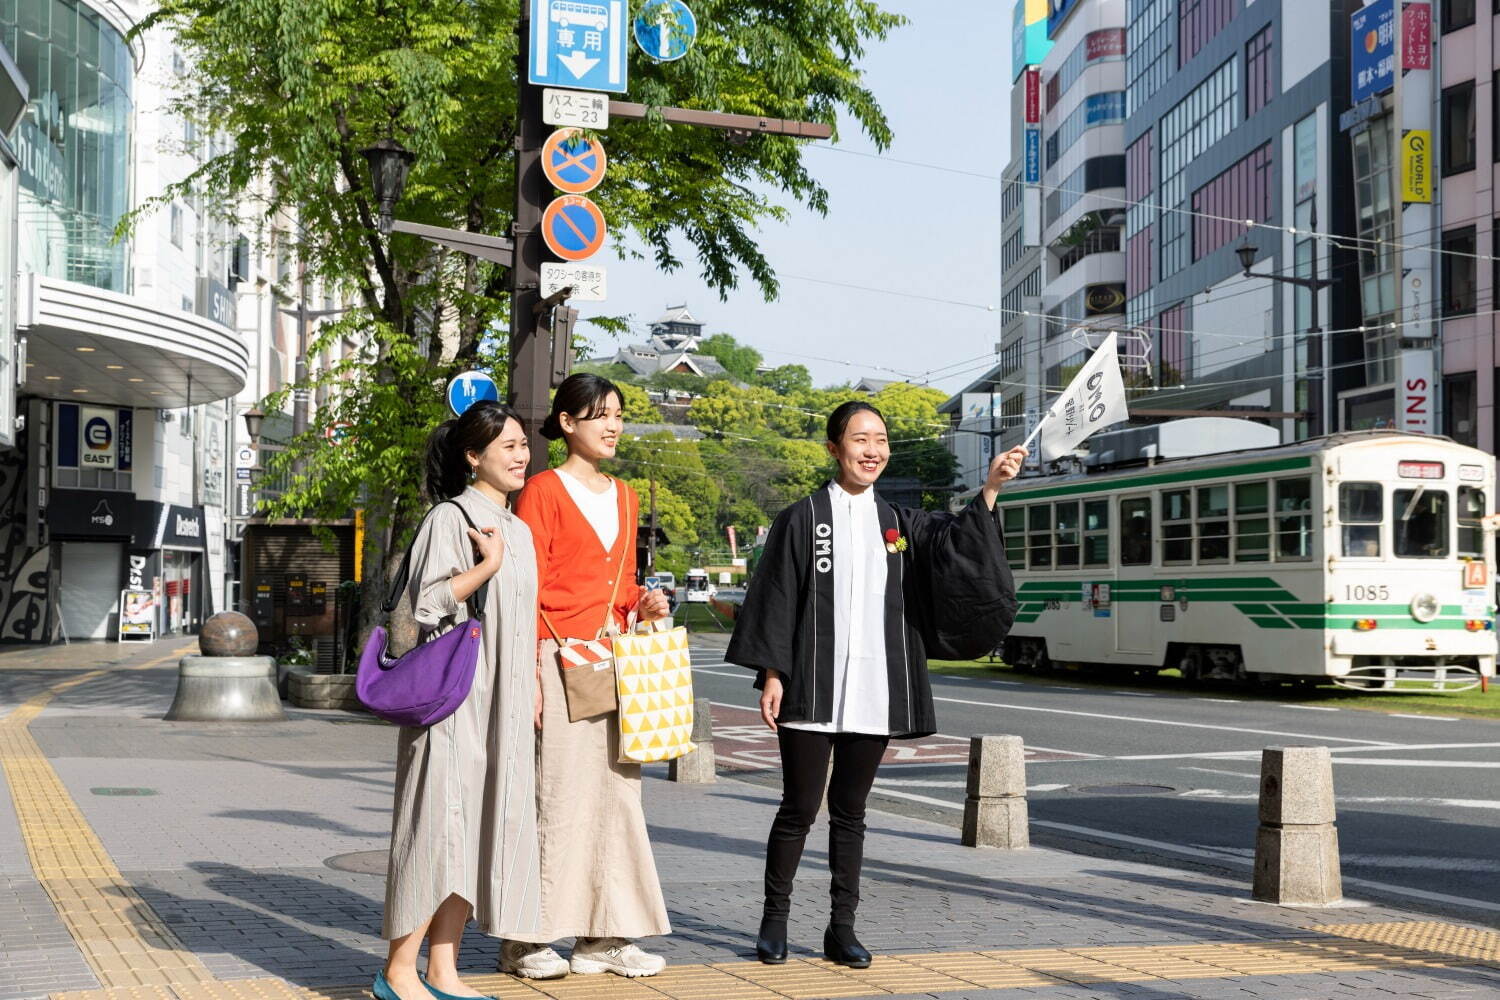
[(1094, 400)]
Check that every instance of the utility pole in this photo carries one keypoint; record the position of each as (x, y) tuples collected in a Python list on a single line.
[(651, 538), (530, 358)]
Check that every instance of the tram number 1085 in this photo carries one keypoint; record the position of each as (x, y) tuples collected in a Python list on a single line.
[(1367, 592)]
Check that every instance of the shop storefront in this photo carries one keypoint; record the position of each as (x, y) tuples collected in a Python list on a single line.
[(182, 571), (96, 536)]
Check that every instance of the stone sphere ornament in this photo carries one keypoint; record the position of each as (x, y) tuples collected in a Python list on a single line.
[(229, 633)]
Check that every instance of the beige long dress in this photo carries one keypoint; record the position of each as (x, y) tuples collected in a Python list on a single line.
[(465, 813), (598, 875)]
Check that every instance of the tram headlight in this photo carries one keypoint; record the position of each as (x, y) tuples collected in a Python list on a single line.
[(1425, 607)]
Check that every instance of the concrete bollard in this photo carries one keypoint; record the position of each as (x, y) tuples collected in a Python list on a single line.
[(226, 689), (995, 809), (1296, 845), (697, 768)]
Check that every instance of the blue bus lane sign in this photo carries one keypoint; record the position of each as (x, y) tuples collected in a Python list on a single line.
[(579, 44)]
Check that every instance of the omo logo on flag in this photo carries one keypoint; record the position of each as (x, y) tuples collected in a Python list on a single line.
[(1093, 400)]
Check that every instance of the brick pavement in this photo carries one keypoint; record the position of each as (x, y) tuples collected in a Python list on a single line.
[(224, 869)]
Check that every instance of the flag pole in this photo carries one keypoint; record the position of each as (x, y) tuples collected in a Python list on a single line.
[(1037, 429)]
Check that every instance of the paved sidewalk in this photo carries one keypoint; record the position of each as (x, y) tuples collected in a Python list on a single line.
[(145, 860)]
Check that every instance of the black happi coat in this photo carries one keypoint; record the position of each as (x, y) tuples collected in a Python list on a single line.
[(950, 594)]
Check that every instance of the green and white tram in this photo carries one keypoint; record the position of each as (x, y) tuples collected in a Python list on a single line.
[(1359, 557)]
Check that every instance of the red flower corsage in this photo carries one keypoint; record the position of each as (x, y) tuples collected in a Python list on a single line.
[(894, 541)]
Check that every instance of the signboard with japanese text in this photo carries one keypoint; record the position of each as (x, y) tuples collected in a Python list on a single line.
[(1033, 96), (1372, 50), (1033, 155), (1107, 43), (1417, 302), (579, 44), (575, 107), (1416, 166), (586, 280), (1416, 36)]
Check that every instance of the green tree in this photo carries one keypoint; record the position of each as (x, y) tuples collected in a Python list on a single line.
[(739, 360), (299, 87), (786, 379), (637, 405), (674, 515)]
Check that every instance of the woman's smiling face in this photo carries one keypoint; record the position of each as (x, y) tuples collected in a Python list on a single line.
[(863, 452)]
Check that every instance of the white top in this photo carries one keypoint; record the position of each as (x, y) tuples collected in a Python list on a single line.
[(861, 696), (601, 510)]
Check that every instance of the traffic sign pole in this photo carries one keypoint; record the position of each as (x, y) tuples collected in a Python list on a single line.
[(530, 358)]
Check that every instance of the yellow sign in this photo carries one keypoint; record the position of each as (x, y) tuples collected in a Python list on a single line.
[(1416, 166), (359, 544)]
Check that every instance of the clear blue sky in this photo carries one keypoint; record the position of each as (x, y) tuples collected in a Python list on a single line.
[(944, 83)]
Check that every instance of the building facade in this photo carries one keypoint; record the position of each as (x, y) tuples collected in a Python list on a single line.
[(1465, 71), (1233, 116)]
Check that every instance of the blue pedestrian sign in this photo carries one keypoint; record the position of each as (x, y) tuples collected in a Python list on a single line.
[(469, 388), (665, 29), (579, 44)]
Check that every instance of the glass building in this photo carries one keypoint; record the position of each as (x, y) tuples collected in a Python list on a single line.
[(74, 144)]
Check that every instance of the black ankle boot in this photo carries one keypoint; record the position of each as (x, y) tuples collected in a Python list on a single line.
[(770, 943), (841, 946)]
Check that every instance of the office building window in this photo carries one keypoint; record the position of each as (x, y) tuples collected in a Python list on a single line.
[(175, 224), (1458, 128), (1198, 21), (1193, 126), (1461, 409), (1105, 108), (1459, 267), (1172, 341), (1148, 48), (1457, 14), (1260, 85), (1241, 192)]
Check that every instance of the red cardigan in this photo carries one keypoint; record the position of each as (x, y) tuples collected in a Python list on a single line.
[(574, 573)]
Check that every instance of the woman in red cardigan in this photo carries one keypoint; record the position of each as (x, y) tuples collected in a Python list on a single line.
[(599, 881)]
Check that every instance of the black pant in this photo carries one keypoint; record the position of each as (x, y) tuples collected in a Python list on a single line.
[(804, 772)]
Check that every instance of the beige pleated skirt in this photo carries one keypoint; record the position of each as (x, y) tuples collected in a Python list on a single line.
[(598, 875)]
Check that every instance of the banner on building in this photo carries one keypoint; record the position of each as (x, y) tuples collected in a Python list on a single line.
[(1416, 36), (1033, 108), (1414, 392), (1028, 36), (1416, 166), (1372, 50)]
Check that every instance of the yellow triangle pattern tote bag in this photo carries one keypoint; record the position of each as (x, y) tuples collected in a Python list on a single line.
[(654, 680)]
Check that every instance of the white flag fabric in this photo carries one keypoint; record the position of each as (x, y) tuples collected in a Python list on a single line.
[(1094, 400)]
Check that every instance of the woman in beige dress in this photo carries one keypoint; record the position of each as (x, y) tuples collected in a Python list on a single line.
[(464, 838), (599, 879)]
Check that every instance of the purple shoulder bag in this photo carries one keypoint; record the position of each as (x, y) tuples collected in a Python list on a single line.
[(429, 683)]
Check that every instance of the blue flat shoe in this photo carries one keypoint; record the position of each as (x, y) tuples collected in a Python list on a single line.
[(440, 995), (382, 989)]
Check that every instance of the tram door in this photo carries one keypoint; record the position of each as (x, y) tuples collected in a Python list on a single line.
[(1137, 543)]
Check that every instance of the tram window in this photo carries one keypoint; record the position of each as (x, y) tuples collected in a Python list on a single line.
[(1096, 533), (1470, 510), (1135, 532), (1177, 526), (1213, 523), (1294, 519), (1360, 512), (1067, 533), (1039, 536), (1014, 520), (1252, 534), (1421, 528)]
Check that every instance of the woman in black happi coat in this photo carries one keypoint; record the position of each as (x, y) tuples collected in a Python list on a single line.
[(850, 597)]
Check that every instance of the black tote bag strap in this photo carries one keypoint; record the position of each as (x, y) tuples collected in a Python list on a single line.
[(475, 601)]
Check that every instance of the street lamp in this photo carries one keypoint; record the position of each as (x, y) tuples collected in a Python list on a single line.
[(253, 417), (1246, 253), (390, 162)]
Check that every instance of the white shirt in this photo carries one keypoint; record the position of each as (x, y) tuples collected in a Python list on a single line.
[(861, 695), (601, 510)]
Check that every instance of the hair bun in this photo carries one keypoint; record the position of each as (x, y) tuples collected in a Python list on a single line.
[(552, 428)]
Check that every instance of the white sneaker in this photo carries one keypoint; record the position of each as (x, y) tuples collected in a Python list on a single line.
[(531, 961), (617, 955)]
